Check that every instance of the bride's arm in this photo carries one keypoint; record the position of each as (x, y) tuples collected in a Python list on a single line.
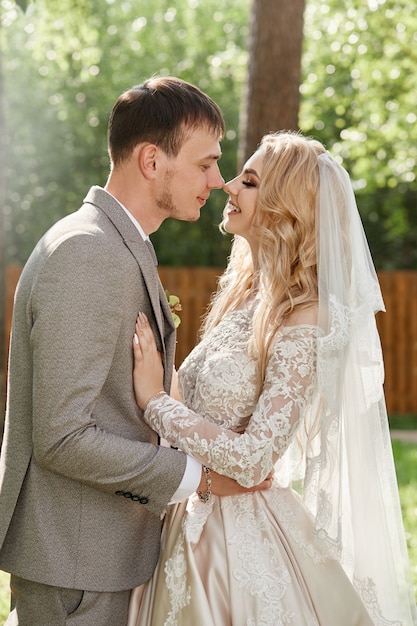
[(248, 457)]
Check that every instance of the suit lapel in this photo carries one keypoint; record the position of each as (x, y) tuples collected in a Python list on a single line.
[(134, 242)]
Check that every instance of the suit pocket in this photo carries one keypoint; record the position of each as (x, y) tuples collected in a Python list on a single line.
[(71, 600)]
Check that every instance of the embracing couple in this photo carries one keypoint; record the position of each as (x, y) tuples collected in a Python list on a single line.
[(277, 423)]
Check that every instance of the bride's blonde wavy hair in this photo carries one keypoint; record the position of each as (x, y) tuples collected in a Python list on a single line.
[(286, 278)]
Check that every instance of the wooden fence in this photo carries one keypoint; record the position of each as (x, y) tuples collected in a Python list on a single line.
[(398, 331), (397, 327)]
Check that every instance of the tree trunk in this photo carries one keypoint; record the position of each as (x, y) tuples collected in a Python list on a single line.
[(271, 99)]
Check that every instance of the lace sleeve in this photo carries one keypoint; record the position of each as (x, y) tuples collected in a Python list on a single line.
[(250, 456)]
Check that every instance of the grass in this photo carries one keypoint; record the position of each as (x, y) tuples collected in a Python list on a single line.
[(405, 455), (403, 422)]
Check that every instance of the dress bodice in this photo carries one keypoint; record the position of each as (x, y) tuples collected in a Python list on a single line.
[(218, 379), (223, 422)]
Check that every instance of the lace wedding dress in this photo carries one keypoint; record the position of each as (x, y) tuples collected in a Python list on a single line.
[(250, 560), (325, 546)]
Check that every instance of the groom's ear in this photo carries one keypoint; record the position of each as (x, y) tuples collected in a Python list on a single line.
[(147, 159)]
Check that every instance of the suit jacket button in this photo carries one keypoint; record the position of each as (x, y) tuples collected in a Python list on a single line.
[(144, 500)]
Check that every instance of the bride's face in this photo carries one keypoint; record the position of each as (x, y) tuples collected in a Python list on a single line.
[(243, 194)]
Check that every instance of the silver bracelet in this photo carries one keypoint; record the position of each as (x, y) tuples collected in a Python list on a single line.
[(205, 497)]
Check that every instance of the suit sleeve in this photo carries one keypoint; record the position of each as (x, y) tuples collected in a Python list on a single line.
[(76, 333)]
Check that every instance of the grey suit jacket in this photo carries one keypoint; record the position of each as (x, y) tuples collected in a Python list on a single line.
[(82, 483)]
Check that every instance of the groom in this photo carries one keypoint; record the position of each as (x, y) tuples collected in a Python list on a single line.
[(83, 482)]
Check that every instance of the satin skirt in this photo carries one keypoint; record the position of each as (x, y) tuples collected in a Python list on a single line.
[(245, 561)]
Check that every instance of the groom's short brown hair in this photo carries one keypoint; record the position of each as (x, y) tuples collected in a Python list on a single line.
[(161, 111)]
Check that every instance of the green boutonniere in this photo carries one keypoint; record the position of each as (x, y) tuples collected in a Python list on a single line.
[(175, 306)]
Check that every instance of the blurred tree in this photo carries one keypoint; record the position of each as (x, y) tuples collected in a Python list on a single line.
[(272, 95), (65, 66), (358, 96), (65, 63)]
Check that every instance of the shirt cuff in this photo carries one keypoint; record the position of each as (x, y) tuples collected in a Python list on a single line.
[(190, 481)]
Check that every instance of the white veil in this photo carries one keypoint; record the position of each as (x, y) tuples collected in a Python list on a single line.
[(350, 482)]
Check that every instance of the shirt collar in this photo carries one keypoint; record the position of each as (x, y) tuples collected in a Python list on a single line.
[(133, 219)]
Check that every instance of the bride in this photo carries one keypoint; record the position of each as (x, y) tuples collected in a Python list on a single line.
[(288, 376)]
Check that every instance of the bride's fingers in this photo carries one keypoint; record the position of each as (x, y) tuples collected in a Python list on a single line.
[(137, 351), (144, 340), (144, 331), (139, 340), (143, 320), (144, 336)]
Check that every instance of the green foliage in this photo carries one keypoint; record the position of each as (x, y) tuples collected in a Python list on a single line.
[(405, 455), (22, 4), (358, 97), (64, 64), (403, 422)]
